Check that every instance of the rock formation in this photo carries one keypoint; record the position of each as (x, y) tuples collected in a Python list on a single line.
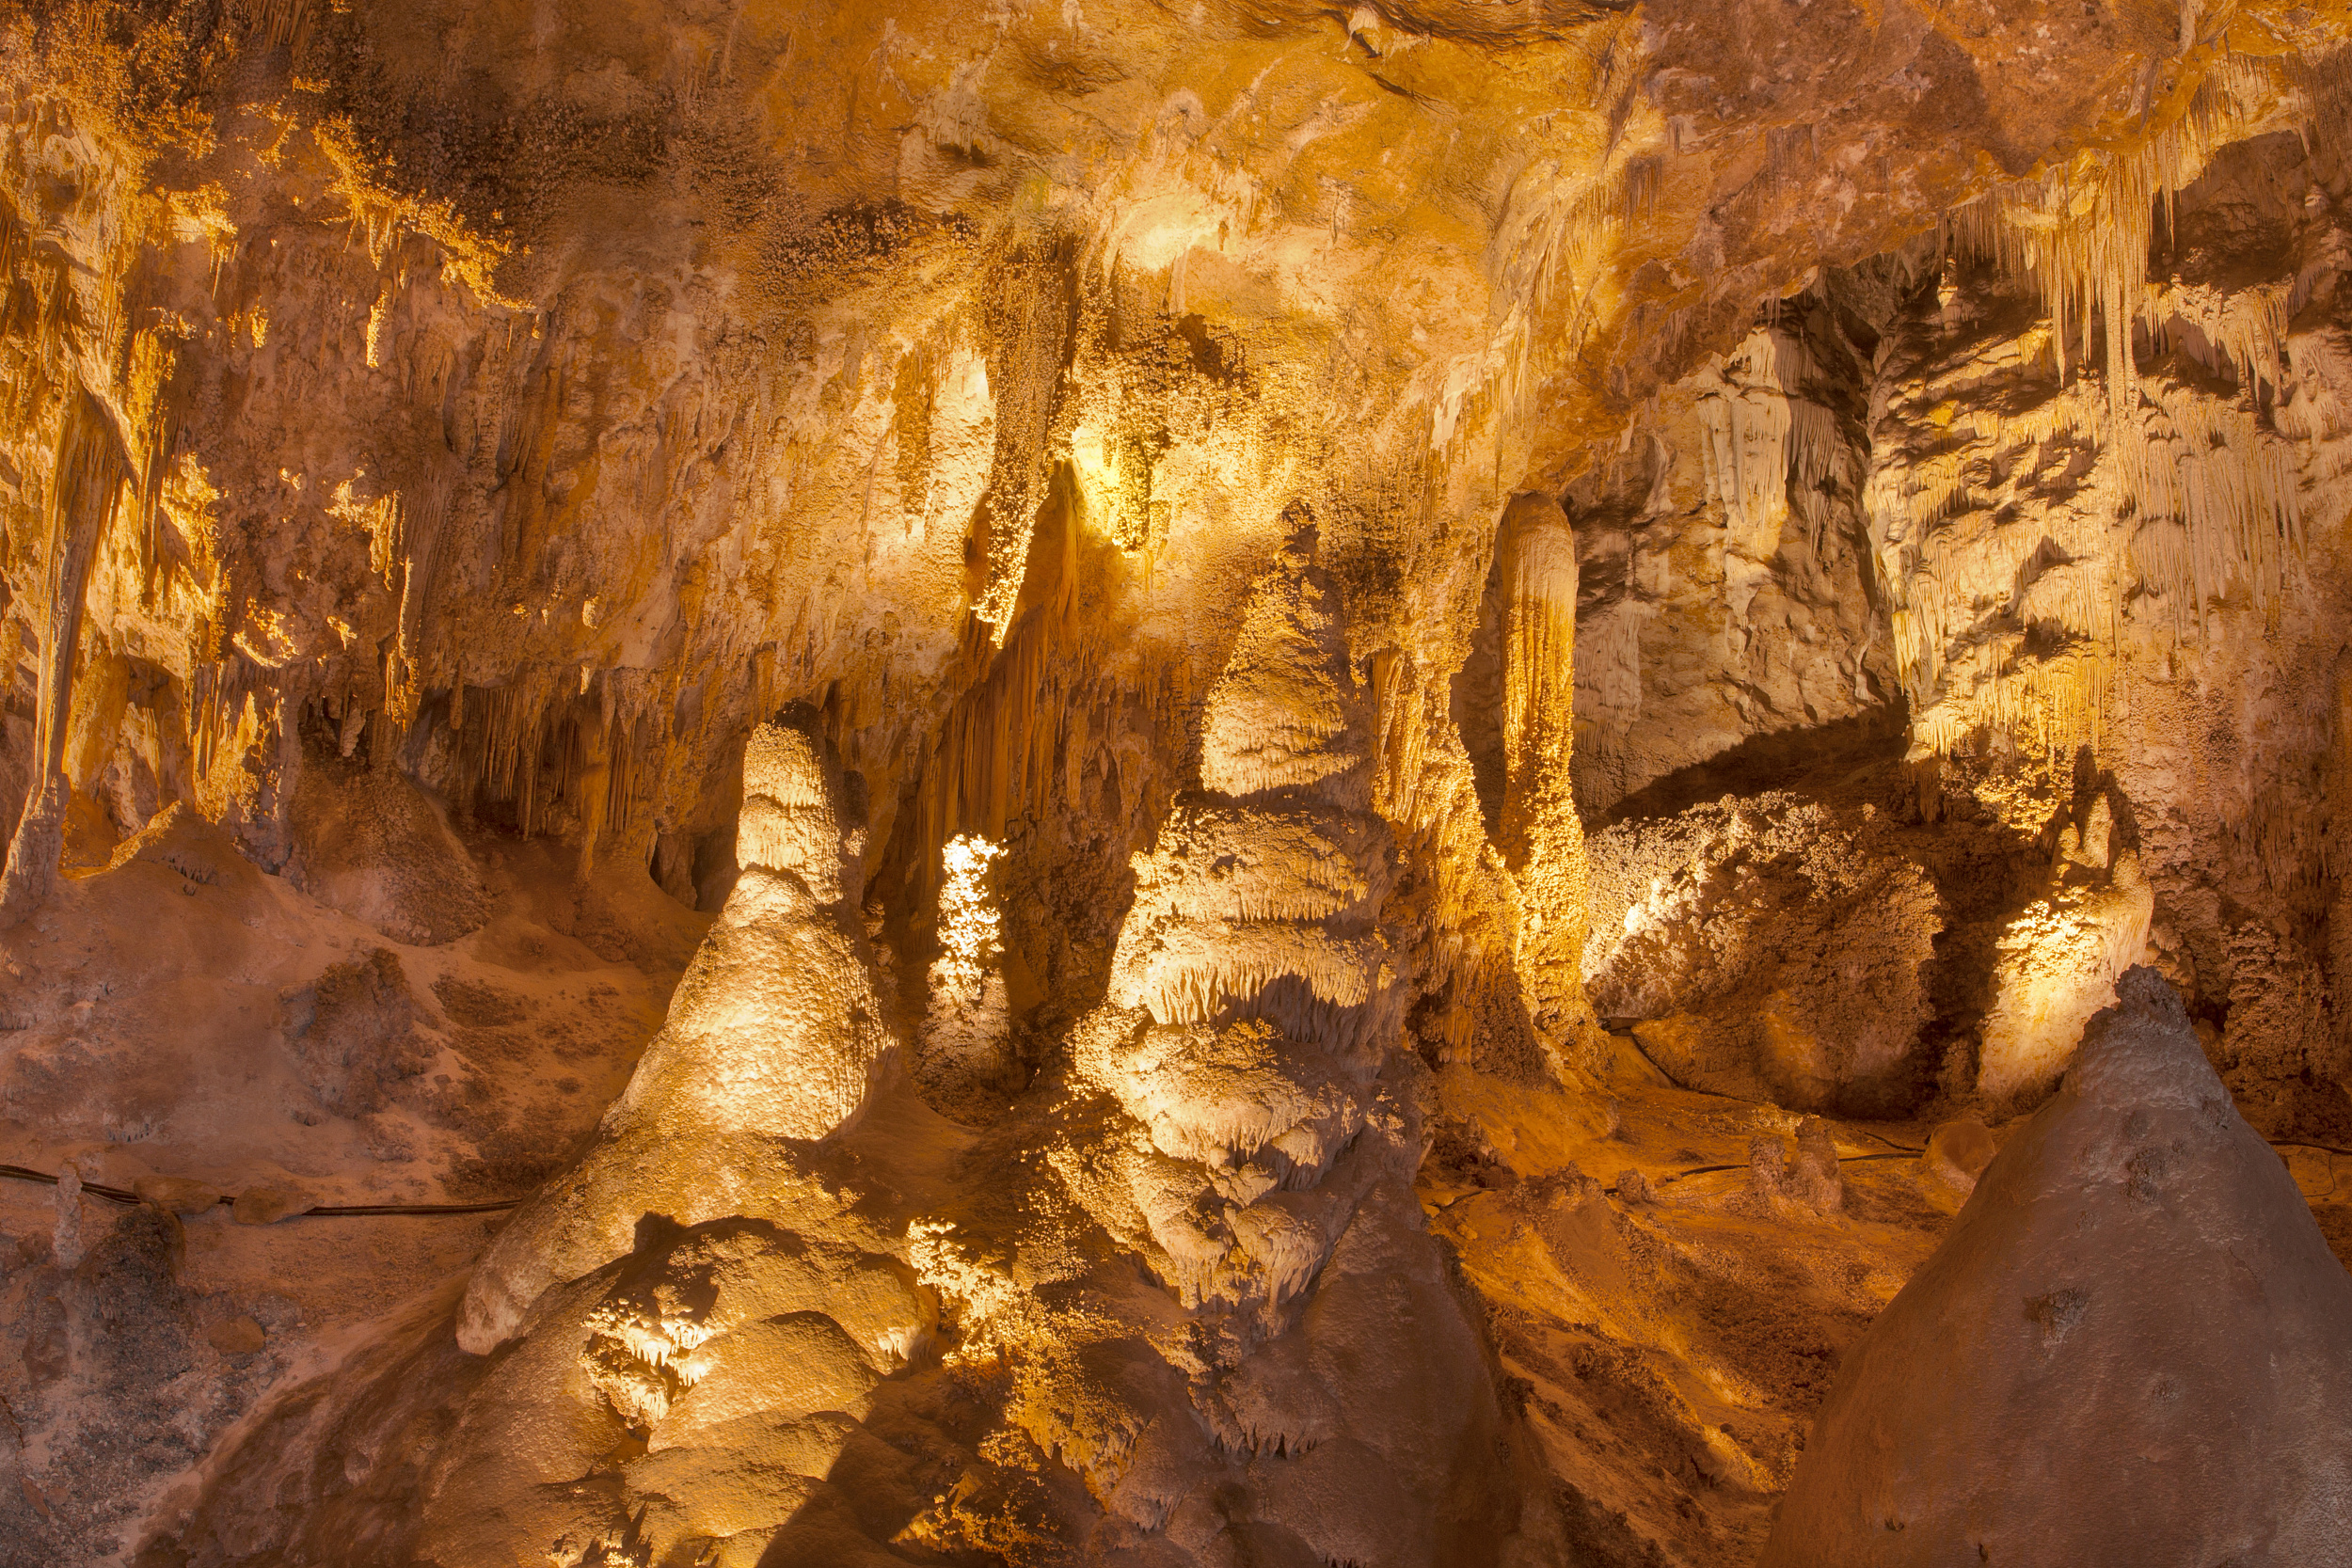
[(1329, 1400), (2132, 1345), (1236, 783), (774, 1039)]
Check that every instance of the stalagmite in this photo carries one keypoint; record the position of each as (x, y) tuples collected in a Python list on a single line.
[(962, 1053), (1252, 1039), (774, 1039), (2135, 1303), (2058, 962)]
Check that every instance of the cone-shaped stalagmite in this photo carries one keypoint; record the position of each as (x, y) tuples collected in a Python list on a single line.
[(775, 1036), (1251, 1001), (2133, 1348)]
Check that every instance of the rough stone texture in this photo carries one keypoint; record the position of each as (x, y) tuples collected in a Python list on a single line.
[(1768, 950), (1728, 595), (2136, 1298), (373, 845), (436, 438), (774, 1038)]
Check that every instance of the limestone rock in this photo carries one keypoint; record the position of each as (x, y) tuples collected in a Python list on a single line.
[(372, 845), (354, 1035), (178, 1194), (2135, 1297), (1770, 947), (1957, 1152), (774, 1039), (2057, 963)]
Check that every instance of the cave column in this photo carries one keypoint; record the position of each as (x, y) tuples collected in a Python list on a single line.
[(1543, 838)]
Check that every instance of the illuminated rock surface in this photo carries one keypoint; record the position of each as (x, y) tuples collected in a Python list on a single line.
[(774, 1038), (1225, 783)]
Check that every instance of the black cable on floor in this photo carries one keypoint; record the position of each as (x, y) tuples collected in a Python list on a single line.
[(323, 1211)]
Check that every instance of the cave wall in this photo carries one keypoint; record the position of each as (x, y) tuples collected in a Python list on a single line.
[(1807, 538)]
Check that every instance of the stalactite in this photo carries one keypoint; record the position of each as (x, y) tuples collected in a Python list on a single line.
[(514, 724), (281, 21), (156, 403), (636, 718), (2209, 487), (591, 749), (1032, 322), (2081, 228), (1005, 741), (1539, 565), (410, 552), (2203, 484), (1765, 443)]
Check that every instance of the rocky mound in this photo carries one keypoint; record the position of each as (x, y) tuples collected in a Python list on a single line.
[(2133, 1348)]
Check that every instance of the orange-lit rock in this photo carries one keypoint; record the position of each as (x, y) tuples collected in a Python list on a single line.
[(665, 689)]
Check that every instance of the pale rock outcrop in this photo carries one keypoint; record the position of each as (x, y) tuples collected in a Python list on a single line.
[(82, 501), (1261, 898), (774, 1039), (1726, 596), (1538, 828), (2058, 962), (692, 1396), (1772, 947), (695, 1323), (2107, 495), (2134, 1346)]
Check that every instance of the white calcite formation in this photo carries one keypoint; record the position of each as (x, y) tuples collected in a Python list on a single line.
[(964, 1051), (1265, 1131), (2058, 960), (701, 1324), (1727, 589), (695, 1392), (774, 1039), (1773, 947), (1252, 1007)]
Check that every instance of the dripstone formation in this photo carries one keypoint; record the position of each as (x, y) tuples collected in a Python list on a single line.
[(2135, 1293), (1173, 784)]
